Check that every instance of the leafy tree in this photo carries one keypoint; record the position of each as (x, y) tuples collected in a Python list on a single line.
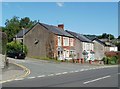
[(110, 36), (106, 36), (12, 27), (26, 23)]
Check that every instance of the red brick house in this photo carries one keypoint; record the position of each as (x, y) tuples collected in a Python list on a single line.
[(67, 44)]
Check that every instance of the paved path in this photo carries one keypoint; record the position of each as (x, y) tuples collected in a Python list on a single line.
[(12, 72)]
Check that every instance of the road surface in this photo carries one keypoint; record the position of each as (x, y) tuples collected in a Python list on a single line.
[(44, 74)]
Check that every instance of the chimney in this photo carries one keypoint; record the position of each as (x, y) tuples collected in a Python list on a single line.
[(61, 26)]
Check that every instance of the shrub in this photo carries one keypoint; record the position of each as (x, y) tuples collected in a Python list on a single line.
[(110, 60), (16, 46)]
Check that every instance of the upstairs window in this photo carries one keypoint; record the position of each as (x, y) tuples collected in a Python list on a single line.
[(71, 42), (59, 41), (65, 41)]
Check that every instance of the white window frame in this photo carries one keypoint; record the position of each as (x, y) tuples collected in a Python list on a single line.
[(65, 41), (59, 40)]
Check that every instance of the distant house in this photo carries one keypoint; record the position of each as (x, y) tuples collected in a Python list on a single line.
[(101, 47), (111, 47), (45, 40), (84, 48), (19, 36)]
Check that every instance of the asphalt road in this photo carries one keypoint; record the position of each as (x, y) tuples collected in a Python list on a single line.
[(67, 75), (39, 68)]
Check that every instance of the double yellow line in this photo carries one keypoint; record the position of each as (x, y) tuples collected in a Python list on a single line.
[(22, 76)]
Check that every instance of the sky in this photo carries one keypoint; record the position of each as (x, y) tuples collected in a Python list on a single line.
[(92, 18)]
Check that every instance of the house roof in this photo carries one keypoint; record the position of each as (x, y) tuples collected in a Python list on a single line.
[(54, 29), (104, 43), (91, 37), (22, 33), (80, 37), (101, 42)]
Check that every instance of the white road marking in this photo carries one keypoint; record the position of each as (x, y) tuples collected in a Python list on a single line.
[(82, 70), (51, 75), (58, 73), (64, 72), (96, 79), (31, 77), (19, 79), (8, 80), (76, 71), (71, 72), (41, 76)]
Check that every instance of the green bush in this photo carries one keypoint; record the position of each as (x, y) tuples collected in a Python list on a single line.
[(16, 46), (110, 60), (114, 59)]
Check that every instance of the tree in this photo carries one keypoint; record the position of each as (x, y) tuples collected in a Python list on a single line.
[(110, 36), (12, 27), (106, 36), (26, 23)]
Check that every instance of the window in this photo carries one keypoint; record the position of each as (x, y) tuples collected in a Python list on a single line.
[(59, 41), (65, 41), (71, 42)]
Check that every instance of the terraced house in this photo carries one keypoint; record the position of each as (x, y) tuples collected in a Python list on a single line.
[(84, 48), (101, 47), (45, 40)]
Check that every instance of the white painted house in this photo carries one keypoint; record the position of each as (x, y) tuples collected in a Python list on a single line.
[(84, 48)]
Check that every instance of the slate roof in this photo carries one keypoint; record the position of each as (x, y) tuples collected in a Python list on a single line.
[(91, 37), (54, 29), (80, 36), (101, 42), (104, 43), (22, 33)]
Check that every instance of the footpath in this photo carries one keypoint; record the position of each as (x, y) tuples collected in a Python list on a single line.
[(12, 72)]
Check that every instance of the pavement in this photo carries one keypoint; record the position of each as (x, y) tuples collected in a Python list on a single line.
[(14, 71)]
